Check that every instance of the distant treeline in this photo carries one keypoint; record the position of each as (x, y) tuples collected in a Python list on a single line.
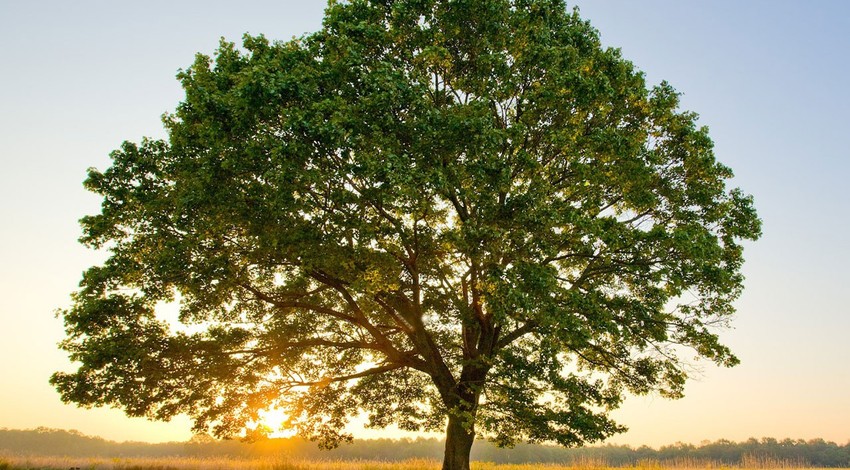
[(55, 442)]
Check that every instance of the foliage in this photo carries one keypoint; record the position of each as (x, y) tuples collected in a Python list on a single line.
[(426, 209)]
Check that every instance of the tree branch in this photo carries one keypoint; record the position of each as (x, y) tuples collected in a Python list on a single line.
[(361, 319), (366, 373), (516, 334), (287, 304)]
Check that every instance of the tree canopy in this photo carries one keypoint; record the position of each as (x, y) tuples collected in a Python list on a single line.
[(463, 212)]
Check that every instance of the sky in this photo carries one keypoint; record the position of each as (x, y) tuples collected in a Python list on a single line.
[(768, 77)]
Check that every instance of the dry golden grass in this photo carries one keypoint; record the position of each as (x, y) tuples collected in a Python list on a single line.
[(12, 462), (188, 463)]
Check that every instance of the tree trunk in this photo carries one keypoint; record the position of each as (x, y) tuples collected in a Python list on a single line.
[(458, 444)]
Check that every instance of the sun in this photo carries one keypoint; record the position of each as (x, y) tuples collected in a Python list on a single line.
[(274, 419)]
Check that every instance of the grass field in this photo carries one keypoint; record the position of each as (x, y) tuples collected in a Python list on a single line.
[(180, 463)]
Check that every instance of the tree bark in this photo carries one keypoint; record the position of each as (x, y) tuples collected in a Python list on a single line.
[(459, 441)]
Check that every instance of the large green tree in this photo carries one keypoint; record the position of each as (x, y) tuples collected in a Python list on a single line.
[(462, 215)]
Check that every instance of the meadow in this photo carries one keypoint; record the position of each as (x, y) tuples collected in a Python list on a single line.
[(12, 462), (57, 449)]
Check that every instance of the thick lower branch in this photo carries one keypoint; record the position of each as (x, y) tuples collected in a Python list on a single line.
[(516, 334), (342, 378), (306, 343), (296, 304), (382, 342)]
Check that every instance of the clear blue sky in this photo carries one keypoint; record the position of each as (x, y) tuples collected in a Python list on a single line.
[(770, 79)]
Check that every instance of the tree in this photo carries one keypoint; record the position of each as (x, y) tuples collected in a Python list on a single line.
[(460, 215)]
